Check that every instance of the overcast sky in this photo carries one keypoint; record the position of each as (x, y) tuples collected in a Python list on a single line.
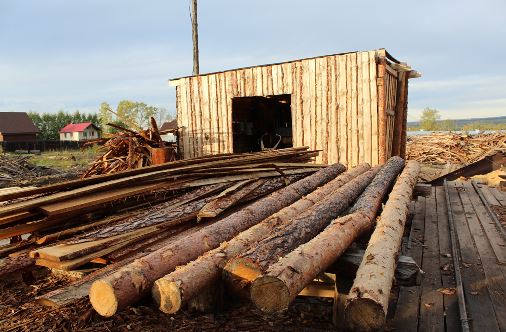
[(76, 54)]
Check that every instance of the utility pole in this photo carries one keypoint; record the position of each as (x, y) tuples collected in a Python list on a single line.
[(195, 37)]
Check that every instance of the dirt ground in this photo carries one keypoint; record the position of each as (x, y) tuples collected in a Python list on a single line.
[(18, 312)]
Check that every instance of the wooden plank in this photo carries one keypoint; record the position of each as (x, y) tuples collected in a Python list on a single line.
[(288, 74), (499, 195), (366, 107), (230, 93), (360, 111), (268, 77), (205, 115), (306, 105), (489, 196), (495, 238), (312, 105), (197, 104), (495, 277), (349, 111), (354, 111), (479, 305), (277, 80), (333, 115), (431, 300), (221, 114), (191, 119), (223, 110), (213, 106), (257, 76), (450, 302), (342, 108), (297, 107), (406, 312), (95, 199), (373, 89), (318, 129), (325, 101), (382, 121)]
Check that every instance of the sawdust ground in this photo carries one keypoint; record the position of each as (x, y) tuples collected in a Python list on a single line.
[(18, 312)]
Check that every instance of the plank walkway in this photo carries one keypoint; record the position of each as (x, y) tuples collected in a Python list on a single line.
[(431, 306)]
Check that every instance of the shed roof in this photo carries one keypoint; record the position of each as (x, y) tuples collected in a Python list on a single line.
[(76, 127), (17, 123), (169, 125), (391, 58)]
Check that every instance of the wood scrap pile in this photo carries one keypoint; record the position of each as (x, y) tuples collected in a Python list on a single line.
[(129, 149), (454, 148), (17, 169), (268, 226)]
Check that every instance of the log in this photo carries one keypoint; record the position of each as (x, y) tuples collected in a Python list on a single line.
[(180, 286), (15, 263), (279, 285), (240, 271), (132, 282), (367, 303)]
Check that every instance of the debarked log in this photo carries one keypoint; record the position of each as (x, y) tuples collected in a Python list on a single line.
[(367, 302)]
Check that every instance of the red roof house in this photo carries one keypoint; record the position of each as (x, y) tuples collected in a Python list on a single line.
[(79, 132)]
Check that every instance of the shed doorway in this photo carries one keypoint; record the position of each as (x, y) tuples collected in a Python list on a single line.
[(261, 123)]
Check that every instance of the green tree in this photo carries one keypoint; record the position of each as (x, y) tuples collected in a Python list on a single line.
[(448, 125), (429, 119), (104, 117), (135, 113)]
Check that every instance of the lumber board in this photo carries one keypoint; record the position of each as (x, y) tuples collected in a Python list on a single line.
[(431, 306), (360, 110), (406, 312), (477, 296), (450, 301), (494, 273), (342, 109), (495, 238)]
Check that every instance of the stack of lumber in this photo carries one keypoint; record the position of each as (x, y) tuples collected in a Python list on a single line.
[(263, 224), (100, 216), (454, 148), (128, 149)]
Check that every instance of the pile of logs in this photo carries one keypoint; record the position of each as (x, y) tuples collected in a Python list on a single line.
[(454, 148), (129, 149), (262, 224)]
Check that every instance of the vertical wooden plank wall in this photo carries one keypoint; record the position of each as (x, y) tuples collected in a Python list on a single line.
[(335, 102)]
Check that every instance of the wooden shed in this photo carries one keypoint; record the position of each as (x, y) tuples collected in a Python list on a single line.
[(351, 106)]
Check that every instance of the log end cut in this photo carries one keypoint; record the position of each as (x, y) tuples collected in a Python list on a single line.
[(167, 295), (364, 314), (270, 294), (238, 274), (103, 299)]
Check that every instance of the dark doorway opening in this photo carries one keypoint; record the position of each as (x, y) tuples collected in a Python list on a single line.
[(261, 123)]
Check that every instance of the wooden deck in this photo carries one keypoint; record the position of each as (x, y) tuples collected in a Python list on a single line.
[(431, 306)]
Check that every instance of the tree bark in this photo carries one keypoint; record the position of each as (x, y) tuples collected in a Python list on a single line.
[(284, 279), (133, 281), (15, 263), (183, 284), (367, 302), (240, 271)]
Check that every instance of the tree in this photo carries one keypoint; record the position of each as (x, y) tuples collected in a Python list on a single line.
[(104, 117), (135, 113), (448, 125), (429, 119)]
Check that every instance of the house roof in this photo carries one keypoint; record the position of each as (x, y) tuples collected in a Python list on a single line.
[(76, 127), (388, 55), (169, 125), (16, 123)]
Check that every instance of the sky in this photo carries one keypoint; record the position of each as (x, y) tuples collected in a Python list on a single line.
[(69, 55)]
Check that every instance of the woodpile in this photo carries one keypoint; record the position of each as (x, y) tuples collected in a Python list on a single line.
[(454, 148), (265, 224), (129, 149), (17, 169)]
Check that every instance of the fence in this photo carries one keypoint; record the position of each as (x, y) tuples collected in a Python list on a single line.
[(41, 145)]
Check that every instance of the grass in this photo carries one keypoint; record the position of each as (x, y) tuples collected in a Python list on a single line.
[(66, 159)]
